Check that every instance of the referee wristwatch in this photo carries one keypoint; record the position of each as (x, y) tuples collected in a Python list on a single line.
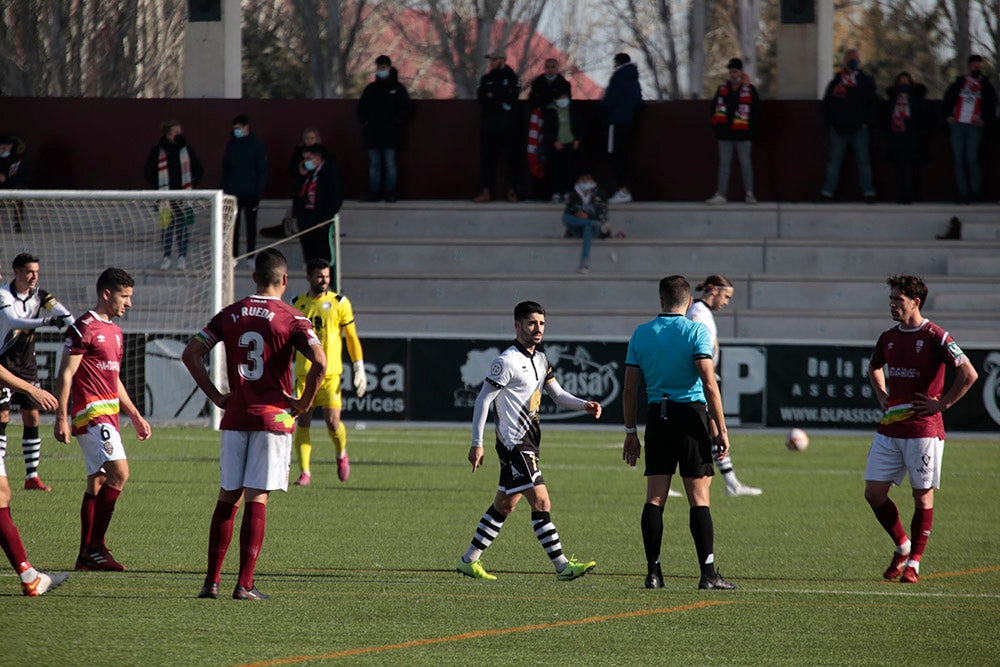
[(629, 430)]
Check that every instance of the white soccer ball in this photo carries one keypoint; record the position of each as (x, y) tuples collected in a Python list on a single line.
[(797, 440)]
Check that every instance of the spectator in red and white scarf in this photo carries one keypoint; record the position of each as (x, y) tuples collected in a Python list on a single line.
[(969, 105), (173, 165), (907, 132), (849, 107), (734, 114), (318, 201)]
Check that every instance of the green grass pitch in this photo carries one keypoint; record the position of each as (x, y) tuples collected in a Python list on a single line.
[(361, 573)]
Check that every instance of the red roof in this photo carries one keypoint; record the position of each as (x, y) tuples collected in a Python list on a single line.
[(413, 55)]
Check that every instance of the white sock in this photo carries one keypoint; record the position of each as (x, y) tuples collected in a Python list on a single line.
[(29, 575), (560, 562), (904, 548)]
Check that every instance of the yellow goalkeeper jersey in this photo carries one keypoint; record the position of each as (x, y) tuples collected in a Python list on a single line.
[(329, 314)]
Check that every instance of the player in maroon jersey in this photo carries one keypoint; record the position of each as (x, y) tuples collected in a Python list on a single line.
[(261, 333), (907, 373), (89, 374)]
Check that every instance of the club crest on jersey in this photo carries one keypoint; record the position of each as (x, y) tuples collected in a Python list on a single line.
[(920, 345), (496, 368), (327, 305)]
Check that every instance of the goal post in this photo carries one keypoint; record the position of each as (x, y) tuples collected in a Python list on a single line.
[(76, 234)]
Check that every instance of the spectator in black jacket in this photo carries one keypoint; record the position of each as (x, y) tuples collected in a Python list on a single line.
[(318, 202), (734, 115), (562, 130), (244, 175), (849, 108), (382, 111), (907, 132), (497, 97), (619, 107), (173, 165), (969, 105), (13, 172), (545, 86)]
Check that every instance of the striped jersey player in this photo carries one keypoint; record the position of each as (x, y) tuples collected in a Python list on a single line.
[(907, 372), (514, 388), (23, 308)]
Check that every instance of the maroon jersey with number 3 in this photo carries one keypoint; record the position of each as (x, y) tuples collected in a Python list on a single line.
[(261, 334), (914, 361)]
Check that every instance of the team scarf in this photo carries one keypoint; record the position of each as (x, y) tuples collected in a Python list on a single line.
[(163, 181), (900, 112), (535, 164), (163, 171), (970, 97), (741, 119), (848, 79), (308, 192)]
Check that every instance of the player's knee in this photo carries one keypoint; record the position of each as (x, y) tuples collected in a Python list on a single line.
[(875, 497)]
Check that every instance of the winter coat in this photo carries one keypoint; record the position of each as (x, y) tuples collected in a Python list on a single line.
[(497, 96), (544, 91), (382, 111), (244, 167), (150, 170), (329, 196), (725, 131), (14, 167), (906, 138), (849, 108), (550, 127), (987, 107), (623, 96)]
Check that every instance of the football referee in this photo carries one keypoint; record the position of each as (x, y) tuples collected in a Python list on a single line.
[(674, 356)]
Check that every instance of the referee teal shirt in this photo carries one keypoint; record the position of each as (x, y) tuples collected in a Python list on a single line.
[(664, 350)]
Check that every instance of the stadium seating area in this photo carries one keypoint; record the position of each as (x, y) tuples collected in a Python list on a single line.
[(802, 272)]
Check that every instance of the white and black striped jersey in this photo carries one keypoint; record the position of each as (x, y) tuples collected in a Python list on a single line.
[(20, 315), (520, 376)]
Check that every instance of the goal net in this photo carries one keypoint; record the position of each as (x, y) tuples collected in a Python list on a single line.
[(78, 234)]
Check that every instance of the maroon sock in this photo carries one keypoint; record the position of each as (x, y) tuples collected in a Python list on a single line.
[(104, 508), (86, 520), (888, 515), (251, 539), (220, 534), (10, 541), (920, 529)]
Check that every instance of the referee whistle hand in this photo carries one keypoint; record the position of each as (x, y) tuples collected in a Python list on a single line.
[(721, 447)]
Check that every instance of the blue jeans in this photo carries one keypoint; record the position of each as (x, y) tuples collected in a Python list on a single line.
[(177, 226), (965, 141), (584, 227), (858, 141), (376, 158)]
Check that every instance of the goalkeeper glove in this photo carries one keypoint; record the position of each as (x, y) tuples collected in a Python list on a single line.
[(57, 321), (360, 379)]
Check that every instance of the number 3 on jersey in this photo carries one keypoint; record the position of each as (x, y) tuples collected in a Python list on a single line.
[(252, 346)]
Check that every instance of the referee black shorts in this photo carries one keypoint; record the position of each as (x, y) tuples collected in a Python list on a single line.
[(677, 435)]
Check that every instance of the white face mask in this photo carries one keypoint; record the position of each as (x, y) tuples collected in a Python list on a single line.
[(309, 165), (586, 186), (5, 154), (562, 102), (238, 133)]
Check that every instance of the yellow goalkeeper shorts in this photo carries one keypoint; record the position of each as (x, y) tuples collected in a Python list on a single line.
[(328, 395)]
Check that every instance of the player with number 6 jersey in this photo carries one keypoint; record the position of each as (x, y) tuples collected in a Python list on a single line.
[(89, 376), (261, 333)]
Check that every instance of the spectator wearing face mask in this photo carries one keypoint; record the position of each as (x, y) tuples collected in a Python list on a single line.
[(383, 110), (969, 104), (13, 172), (562, 129), (907, 133), (849, 107), (173, 165), (244, 175), (734, 115), (586, 214), (546, 85)]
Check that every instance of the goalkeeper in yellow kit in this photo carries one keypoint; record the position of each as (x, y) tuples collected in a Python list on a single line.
[(332, 318)]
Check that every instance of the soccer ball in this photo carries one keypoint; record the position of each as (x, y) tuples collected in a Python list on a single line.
[(797, 440)]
